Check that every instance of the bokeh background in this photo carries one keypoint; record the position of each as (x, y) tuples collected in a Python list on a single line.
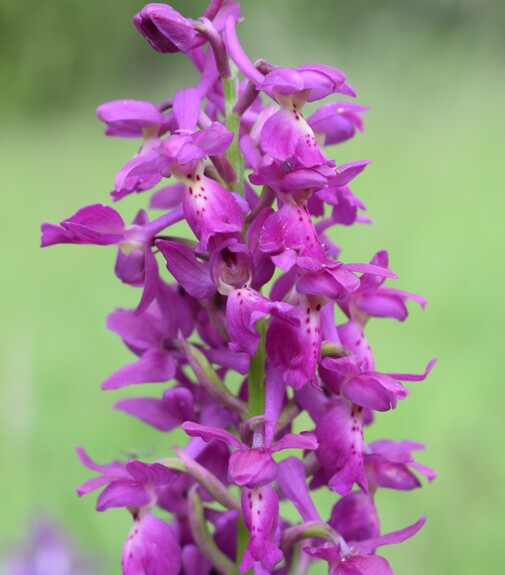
[(432, 72)]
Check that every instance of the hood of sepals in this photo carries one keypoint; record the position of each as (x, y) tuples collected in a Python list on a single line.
[(133, 484), (155, 328), (344, 204), (135, 263), (166, 30), (96, 224), (130, 118), (230, 263), (308, 83), (296, 350), (260, 509), (183, 153), (294, 182), (252, 468), (337, 121), (151, 548), (339, 433), (355, 517), (287, 133), (369, 389), (340, 563), (389, 464)]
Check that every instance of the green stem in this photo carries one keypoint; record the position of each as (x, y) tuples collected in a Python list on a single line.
[(256, 378), (243, 539), (203, 537), (232, 122)]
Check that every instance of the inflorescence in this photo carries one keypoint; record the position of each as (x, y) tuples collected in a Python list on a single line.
[(259, 322)]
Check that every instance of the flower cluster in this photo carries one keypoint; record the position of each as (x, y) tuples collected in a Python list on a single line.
[(256, 321)]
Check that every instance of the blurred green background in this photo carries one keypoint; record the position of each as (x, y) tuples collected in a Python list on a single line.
[(432, 72)]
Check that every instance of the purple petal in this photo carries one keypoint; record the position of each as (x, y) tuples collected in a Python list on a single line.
[(193, 560), (208, 433), (151, 548), (260, 510), (355, 517), (209, 209), (378, 304), (292, 480), (252, 468), (237, 53), (389, 474), (96, 224), (167, 197), (291, 230), (139, 331), (274, 400), (236, 361), (128, 118), (116, 469), (285, 80), (338, 121), (165, 29), (187, 104), (150, 410), (323, 80), (176, 313), (374, 390), (179, 402), (150, 473), (295, 351), (368, 565), (122, 494), (347, 172), (370, 545), (413, 376), (305, 440), (213, 140), (151, 280), (138, 174), (153, 367), (340, 436), (186, 269), (287, 135), (329, 283), (243, 309)]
